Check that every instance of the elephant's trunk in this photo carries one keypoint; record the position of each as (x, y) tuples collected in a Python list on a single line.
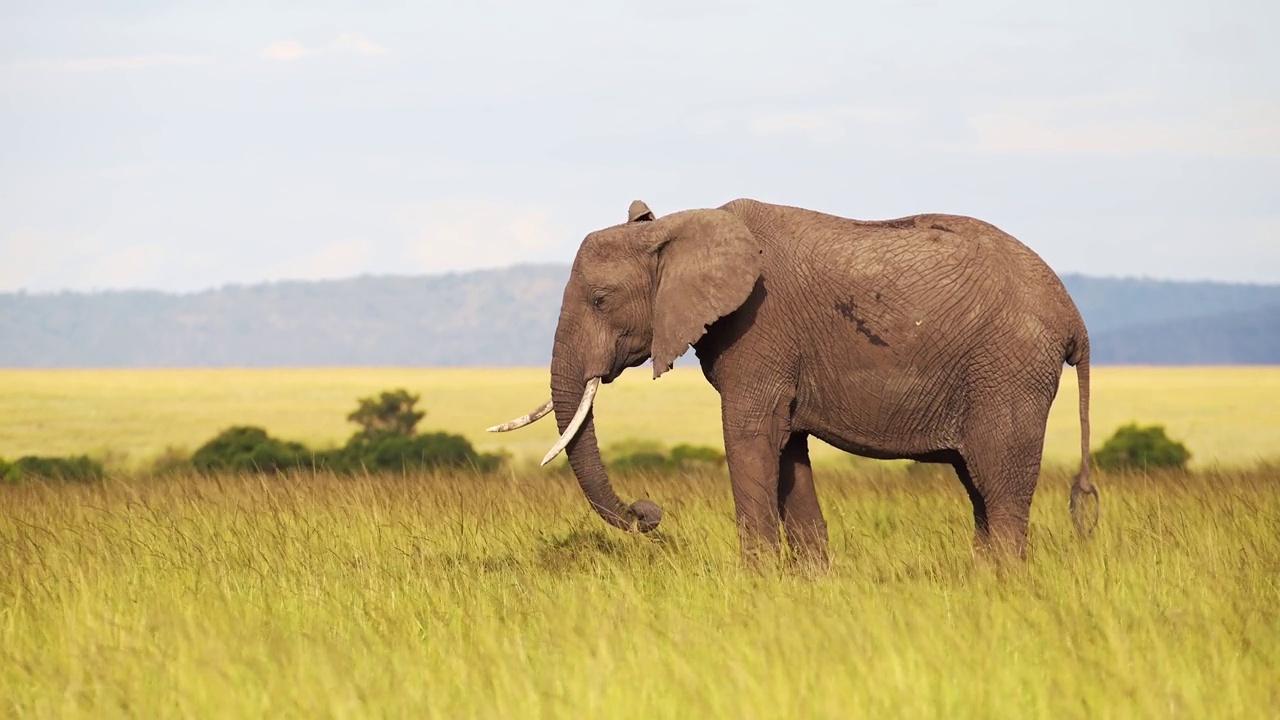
[(567, 388)]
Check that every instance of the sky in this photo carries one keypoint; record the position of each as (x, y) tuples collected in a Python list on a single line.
[(184, 146)]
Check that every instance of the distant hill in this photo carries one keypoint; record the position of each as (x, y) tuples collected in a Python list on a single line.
[(497, 317), (507, 318), (1161, 322), (1244, 337), (1110, 303)]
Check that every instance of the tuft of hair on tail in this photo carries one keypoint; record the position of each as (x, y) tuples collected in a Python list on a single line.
[(1083, 487)]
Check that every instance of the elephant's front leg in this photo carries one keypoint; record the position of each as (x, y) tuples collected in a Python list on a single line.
[(798, 504), (752, 450)]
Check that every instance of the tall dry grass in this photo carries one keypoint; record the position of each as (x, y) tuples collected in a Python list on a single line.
[(456, 596)]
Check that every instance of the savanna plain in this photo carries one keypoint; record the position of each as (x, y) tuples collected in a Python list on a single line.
[(502, 595)]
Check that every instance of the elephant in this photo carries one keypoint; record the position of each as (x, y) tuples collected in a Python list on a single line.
[(932, 337)]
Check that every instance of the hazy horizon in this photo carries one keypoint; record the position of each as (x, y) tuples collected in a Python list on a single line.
[(174, 148), (230, 285)]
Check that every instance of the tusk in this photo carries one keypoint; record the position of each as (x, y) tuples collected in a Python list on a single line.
[(523, 420), (587, 398)]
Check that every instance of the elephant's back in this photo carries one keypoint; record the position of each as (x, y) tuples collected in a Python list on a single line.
[(924, 250), (913, 282)]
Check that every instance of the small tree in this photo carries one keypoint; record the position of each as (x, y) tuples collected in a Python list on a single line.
[(245, 448), (389, 440), (1142, 448), (391, 412)]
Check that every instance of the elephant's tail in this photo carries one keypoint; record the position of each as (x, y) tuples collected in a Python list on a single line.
[(1079, 357)]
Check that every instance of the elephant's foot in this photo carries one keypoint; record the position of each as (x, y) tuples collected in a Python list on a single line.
[(807, 543), (756, 550), (804, 554), (809, 561), (1001, 541)]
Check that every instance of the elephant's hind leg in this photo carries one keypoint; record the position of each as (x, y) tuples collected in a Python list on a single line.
[(1000, 466), (798, 504), (1001, 508)]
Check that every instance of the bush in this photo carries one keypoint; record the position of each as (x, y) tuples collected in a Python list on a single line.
[(70, 469), (251, 449), (640, 461), (387, 441), (246, 448), (645, 456), (396, 452), (692, 456), (1134, 447)]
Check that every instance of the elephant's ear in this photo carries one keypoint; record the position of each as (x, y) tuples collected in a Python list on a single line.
[(707, 266), (639, 212)]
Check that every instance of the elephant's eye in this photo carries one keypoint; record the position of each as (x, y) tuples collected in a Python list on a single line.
[(598, 297)]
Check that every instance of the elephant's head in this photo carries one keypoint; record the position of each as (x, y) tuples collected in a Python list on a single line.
[(647, 288)]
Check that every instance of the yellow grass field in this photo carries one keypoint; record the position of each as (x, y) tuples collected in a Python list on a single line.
[(505, 597), (1226, 416)]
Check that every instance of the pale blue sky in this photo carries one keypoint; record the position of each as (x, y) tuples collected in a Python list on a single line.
[(182, 146)]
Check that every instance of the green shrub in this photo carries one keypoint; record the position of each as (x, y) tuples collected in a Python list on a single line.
[(395, 452), (1143, 448), (640, 461), (692, 456), (70, 469), (389, 441), (648, 456), (251, 449), (245, 448)]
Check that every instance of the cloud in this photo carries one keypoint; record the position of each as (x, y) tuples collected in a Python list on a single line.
[(1177, 247), (333, 260), (1126, 124), (284, 50), (1233, 44), (40, 262), (132, 62), (345, 43), (1120, 123), (1264, 237), (467, 236), (357, 43), (830, 124), (132, 266), (27, 258)]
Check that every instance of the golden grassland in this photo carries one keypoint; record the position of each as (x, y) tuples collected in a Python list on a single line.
[(503, 597), (1226, 416)]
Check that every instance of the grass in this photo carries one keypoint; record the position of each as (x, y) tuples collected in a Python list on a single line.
[(1227, 416), (456, 596)]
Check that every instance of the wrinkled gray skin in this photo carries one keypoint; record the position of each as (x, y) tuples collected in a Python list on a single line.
[(938, 338)]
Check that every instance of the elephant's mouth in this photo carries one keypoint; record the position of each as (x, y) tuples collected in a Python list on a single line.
[(588, 399), (622, 366)]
